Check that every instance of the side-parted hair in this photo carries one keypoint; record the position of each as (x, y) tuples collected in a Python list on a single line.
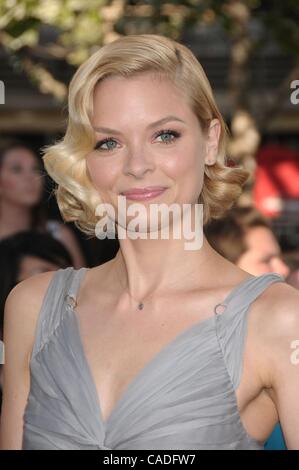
[(130, 56)]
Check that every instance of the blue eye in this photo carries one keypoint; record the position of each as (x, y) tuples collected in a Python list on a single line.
[(175, 134), (104, 141), (109, 140)]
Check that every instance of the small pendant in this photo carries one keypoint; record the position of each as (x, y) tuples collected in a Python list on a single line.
[(140, 306)]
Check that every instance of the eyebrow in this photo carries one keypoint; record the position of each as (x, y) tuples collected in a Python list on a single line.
[(150, 126)]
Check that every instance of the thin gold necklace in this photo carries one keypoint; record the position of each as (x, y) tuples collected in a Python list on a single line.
[(140, 304)]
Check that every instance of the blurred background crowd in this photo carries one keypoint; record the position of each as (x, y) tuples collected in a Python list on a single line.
[(250, 53)]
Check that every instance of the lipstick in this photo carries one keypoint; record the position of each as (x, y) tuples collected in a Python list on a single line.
[(140, 194)]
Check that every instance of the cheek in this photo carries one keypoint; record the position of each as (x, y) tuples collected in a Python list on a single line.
[(10, 182), (102, 174), (38, 184), (186, 168)]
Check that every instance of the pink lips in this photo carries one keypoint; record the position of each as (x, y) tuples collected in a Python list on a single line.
[(143, 193)]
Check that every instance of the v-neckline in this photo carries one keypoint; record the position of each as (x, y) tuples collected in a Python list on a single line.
[(149, 364)]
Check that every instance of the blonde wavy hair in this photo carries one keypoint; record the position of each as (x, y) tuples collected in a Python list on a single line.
[(128, 56)]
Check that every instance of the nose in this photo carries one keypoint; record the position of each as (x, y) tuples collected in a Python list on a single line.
[(138, 163)]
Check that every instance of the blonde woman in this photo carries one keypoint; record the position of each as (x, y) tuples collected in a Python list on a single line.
[(162, 347)]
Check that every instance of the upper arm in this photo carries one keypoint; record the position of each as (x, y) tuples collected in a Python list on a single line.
[(281, 338), (21, 313)]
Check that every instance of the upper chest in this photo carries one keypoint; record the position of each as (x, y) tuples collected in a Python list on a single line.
[(120, 344)]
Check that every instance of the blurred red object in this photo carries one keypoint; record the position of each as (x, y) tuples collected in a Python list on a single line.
[(276, 179)]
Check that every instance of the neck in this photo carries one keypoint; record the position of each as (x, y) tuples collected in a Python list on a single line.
[(148, 266)]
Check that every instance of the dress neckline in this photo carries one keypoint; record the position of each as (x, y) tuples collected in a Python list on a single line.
[(194, 328)]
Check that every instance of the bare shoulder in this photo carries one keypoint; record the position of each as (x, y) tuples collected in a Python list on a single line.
[(278, 348), (278, 310), (21, 312), (23, 304), (274, 325), (24, 288), (280, 327)]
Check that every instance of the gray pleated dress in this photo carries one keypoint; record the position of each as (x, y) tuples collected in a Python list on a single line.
[(184, 398)]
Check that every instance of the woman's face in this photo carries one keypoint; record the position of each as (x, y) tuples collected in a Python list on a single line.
[(21, 181), (137, 151)]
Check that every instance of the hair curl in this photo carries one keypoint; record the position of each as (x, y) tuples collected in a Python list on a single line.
[(129, 56)]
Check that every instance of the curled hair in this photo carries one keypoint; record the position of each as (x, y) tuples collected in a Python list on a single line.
[(127, 57)]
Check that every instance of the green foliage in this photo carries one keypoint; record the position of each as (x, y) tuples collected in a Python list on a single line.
[(77, 27)]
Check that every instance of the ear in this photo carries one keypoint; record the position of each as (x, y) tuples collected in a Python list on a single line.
[(212, 141)]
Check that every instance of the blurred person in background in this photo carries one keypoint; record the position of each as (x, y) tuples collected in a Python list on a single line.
[(245, 238), (21, 206), (23, 255), (291, 259)]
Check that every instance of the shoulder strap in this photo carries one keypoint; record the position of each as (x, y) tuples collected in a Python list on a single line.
[(231, 325), (52, 306), (74, 285)]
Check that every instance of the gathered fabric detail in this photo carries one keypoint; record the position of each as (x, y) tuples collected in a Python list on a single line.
[(184, 398)]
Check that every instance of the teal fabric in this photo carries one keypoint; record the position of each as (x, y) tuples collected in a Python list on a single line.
[(276, 440), (183, 398)]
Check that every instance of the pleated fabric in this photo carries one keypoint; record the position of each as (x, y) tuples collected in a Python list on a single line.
[(184, 398)]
